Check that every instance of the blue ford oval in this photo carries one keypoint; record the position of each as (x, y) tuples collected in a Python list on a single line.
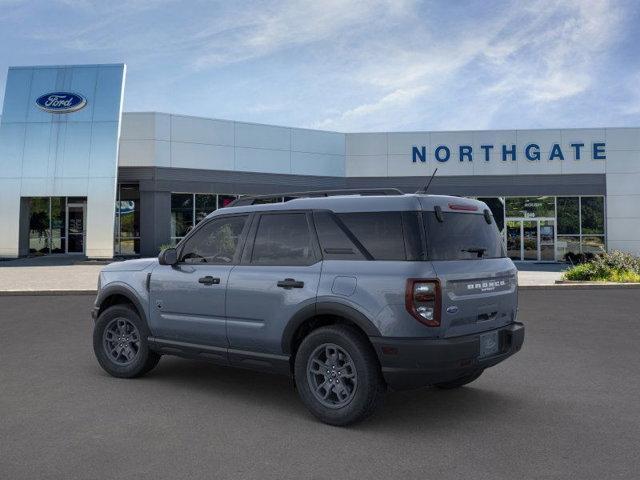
[(61, 102)]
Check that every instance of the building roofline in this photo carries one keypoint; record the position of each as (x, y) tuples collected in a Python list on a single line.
[(378, 132)]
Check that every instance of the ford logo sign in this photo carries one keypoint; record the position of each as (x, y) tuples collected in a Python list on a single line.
[(61, 102)]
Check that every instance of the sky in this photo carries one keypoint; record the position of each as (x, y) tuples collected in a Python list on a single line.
[(349, 65)]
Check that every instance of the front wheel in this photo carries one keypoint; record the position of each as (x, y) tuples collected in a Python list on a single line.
[(120, 343), (338, 376)]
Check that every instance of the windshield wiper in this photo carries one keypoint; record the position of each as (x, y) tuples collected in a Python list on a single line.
[(479, 250)]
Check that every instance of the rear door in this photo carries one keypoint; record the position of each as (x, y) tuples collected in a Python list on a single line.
[(278, 276), (478, 282), (187, 300)]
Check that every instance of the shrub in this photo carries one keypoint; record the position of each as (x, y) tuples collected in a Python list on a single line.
[(614, 266), (578, 258), (164, 246)]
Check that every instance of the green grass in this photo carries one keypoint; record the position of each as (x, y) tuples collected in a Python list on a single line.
[(589, 272)]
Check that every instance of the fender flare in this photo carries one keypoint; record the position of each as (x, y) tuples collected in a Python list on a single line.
[(326, 308), (124, 290)]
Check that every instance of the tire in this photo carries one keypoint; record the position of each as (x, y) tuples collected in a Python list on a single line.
[(460, 381), (131, 358), (354, 390)]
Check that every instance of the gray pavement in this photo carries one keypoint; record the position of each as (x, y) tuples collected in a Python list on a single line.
[(53, 274), (565, 407), (538, 273)]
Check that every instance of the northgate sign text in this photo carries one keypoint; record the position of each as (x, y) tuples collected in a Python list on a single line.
[(531, 152)]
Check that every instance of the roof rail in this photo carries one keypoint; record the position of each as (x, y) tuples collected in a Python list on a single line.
[(251, 200)]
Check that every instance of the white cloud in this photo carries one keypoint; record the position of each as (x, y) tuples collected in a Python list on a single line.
[(287, 24), (350, 64), (538, 54)]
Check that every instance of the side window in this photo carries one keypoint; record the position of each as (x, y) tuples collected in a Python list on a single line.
[(283, 239), (334, 242), (214, 243), (381, 233)]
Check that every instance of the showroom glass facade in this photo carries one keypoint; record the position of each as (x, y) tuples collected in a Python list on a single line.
[(57, 225), (543, 228), (188, 209), (127, 220), (546, 228)]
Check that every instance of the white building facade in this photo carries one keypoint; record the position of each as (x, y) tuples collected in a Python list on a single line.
[(552, 192)]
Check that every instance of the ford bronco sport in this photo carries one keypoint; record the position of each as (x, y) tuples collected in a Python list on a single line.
[(349, 294)]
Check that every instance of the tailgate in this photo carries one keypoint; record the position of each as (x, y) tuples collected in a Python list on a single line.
[(477, 295)]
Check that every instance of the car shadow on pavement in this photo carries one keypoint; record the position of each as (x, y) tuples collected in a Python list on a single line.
[(401, 411)]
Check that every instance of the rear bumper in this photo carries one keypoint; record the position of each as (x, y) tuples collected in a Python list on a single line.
[(410, 363)]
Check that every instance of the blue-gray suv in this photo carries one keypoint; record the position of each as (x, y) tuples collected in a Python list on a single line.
[(349, 294)]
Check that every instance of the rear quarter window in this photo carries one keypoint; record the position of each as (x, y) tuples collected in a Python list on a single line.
[(381, 233), (283, 239), (462, 236)]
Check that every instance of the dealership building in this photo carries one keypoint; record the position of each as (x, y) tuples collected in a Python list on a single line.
[(80, 176)]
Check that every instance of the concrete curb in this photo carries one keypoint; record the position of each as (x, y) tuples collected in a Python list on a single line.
[(18, 293)]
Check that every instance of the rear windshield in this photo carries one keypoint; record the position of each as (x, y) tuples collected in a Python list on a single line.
[(461, 236)]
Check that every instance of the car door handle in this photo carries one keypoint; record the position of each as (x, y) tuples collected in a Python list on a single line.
[(209, 280), (290, 283)]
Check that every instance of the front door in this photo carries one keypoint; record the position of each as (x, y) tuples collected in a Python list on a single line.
[(187, 300), (531, 239), (278, 276), (75, 227)]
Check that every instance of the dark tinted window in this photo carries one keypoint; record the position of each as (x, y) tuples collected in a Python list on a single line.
[(462, 236), (380, 232), (334, 242), (216, 242), (592, 215), (283, 239), (568, 216)]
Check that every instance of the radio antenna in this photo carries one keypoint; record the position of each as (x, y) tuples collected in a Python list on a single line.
[(426, 187)]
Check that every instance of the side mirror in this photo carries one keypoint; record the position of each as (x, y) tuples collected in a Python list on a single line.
[(168, 256)]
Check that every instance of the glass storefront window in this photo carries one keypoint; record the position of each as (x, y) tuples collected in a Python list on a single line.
[(580, 222), (181, 214), (188, 209), (592, 213), (593, 244), (264, 201), (205, 204), (127, 226), (568, 216), (48, 228), (224, 200), (58, 217), (496, 205), (567, 244), (530, 207), (39, 225)]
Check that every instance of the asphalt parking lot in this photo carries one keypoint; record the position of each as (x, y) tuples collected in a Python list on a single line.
[(567, 406)]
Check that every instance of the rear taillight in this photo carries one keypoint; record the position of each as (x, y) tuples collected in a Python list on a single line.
[(422, 299)]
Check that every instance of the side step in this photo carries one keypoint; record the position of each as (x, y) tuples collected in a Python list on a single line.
[(267, 362)]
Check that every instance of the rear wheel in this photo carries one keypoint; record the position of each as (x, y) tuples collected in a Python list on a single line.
[(460, 381), (338, 376), (120, 343)]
